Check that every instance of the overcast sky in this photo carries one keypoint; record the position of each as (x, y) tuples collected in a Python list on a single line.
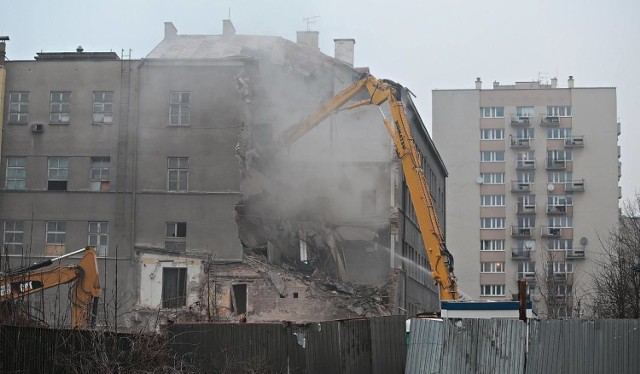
[(423, 45)]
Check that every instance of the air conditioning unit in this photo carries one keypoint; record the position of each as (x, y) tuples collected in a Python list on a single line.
[(37, 128)]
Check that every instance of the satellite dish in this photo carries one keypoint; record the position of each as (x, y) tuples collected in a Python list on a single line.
[(550, 187), (479, 180), (584, 241)]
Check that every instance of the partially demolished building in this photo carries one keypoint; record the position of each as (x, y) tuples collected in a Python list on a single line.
[(165, 164)]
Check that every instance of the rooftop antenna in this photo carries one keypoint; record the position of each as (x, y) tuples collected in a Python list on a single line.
[(310, 21)]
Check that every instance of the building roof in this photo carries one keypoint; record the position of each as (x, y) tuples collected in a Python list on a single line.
[(78, 55)]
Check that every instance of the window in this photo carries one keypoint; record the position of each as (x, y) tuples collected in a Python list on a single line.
[(60, 104), (491, 134), (103, 107), (178, 175), (55, 238), (492, 245), (13, 237), (239, 299), (559, 111), (492, 200), (492, 267), (527, 267), (492, 112), (492, 290), (527, 133), (99, 174), (526, 177), (99, 237), (18, 108), (492, 223), (566, 222), (559, 176), (525, 245), (179, 105), (560, 155), (174, 287), (526, 222), (526, 201), (562, 290), (560, 200), (176, 236), (560, 267), (492, 156), (492, 178), (16, 173), (525, 111), (558, 133), (368, 202), (58, 173), (560, 244)]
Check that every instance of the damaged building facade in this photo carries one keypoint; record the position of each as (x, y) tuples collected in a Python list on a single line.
[(167, 165)]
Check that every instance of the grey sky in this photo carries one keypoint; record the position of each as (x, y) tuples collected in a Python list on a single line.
[(423, 45)]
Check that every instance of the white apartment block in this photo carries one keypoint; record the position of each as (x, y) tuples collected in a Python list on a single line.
[(533, 185)]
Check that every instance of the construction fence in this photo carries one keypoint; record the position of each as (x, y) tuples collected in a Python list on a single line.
[(374, 345)]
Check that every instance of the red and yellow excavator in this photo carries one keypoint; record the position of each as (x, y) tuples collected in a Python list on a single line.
[(20, 282), (381, 91)]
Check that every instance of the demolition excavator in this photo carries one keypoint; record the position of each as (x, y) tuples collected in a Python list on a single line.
[(377, 92), (85, 292)]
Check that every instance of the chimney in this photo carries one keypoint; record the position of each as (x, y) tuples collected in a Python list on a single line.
[(308, 39), (554, 82), (478, 84), (570, 81), (170, 30), (344, 50), (227, 28), (496, 84), (3, 51)]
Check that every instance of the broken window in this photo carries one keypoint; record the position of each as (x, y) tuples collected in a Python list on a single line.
[(55, 238), (102, 107), (99, 237), (239, 298), (174, 287), (176, 236), (99, 175), (58, 173)]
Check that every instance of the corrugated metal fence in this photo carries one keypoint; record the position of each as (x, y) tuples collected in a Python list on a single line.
[(375, 345)]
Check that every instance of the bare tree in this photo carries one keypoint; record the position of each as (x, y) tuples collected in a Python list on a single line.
[(554, 286), (617, 275)]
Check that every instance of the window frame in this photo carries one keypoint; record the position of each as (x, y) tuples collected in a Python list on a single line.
[(102, 106), (495, 290), (495, 267), (59, 233), (176, 237), (559, 111), (59, 105), (492, 223), (492, 245), (13, 246), (492, 134), (14, 182), (492, 156), (492, 200), (101, 249), (492, 178), (180, 170), (529, 113), (21, 115), (492, 112), (100, 173), (183, 108)]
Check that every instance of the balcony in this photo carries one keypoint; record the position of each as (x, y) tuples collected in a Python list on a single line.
[(522, 208), (521, 232), (574, 141), (557, 209), (551, 232), (554, 164), (518, 121), (528, 164), (528, 275), (520, 142), (517, 186), (575, 254), (520, 254), (550, 121), (574, 186)]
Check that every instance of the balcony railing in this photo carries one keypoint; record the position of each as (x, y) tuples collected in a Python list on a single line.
[(574, 141), (528, 275), (521, 232), (520, 121), (551, 232), (574, 185), (520, 142), (556, 164), (522, 208), (517, 186), (526, 164), (517, 253), (557, 209), (574, 254), (550, 121)]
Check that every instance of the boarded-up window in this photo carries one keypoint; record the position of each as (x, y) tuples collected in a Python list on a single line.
[(174, 287)]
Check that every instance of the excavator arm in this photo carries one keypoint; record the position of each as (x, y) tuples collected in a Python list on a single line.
[(38, 277), (379, 92)]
